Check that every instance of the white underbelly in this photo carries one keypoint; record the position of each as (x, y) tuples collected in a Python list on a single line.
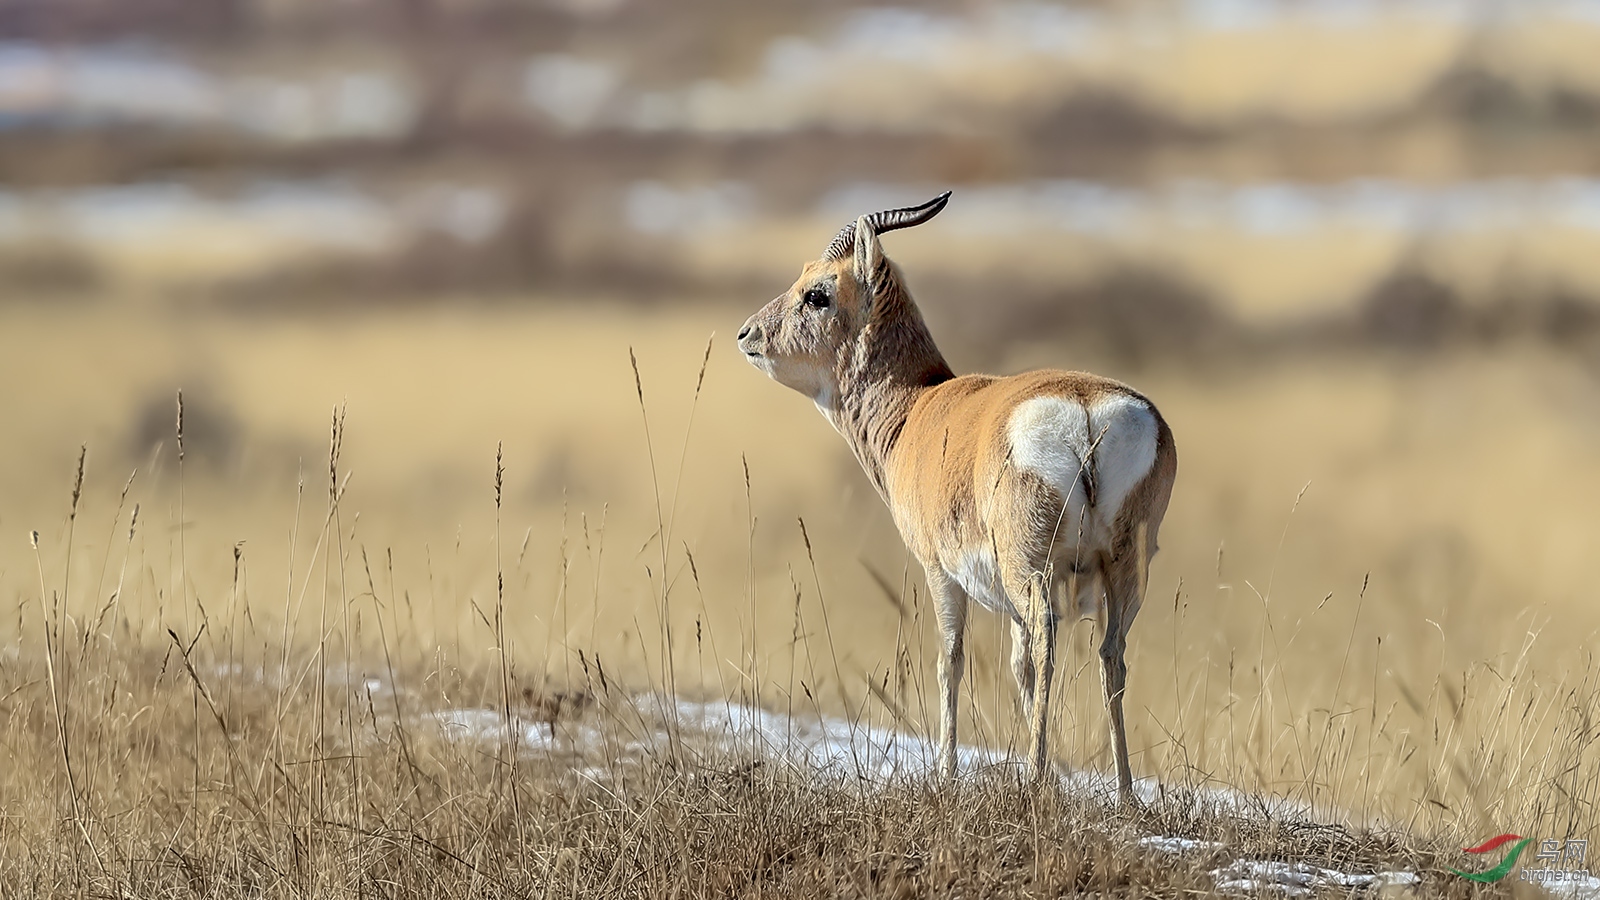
[(979, 576)]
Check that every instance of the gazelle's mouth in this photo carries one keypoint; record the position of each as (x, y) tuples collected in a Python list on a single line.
[(759, 361)]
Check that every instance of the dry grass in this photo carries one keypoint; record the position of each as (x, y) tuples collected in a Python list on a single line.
[(1403, 646), (186, 782), (226, 765)]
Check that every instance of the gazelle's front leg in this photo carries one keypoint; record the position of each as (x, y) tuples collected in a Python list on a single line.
[(950, 604)]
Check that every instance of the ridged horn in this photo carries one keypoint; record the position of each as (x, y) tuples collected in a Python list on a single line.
[(843, 243)]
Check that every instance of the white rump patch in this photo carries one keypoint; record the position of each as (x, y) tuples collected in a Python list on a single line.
[(1126, 430), (1053, 436)]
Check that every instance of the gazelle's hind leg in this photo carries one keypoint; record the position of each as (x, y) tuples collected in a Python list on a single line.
[(1022, 667), (1125, 577), (1027, 588)]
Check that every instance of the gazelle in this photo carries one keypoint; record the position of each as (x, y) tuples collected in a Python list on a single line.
[(1010, 491)]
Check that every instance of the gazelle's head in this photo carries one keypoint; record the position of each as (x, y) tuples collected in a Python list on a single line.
[(802, 335)]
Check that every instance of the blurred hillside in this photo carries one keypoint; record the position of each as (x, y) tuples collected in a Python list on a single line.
[(1191, 173)]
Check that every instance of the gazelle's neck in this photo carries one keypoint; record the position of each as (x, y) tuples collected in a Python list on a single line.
[(895, 360)]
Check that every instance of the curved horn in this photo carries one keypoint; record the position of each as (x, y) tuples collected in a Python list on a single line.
[(888, 220)]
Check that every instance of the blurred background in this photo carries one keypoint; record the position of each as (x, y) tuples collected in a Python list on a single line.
[(1351, 248), (1165, 173)]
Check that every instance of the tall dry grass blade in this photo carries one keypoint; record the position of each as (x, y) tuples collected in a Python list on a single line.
[(887, 590), (513, 725), (663, 607)]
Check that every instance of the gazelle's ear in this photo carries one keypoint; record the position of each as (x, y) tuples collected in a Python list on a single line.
[(870, 264)]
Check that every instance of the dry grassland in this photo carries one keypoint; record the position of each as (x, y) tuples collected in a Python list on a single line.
[(1374, 602)]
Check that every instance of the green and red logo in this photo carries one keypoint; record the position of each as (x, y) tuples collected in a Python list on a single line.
[(1507, 863)]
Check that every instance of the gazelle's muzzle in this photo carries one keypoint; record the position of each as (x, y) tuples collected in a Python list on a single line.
[(752, 340)]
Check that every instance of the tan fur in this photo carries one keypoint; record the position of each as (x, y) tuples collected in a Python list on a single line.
[(941, 451)]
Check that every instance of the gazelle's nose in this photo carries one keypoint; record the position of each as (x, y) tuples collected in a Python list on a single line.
[(750, 336)]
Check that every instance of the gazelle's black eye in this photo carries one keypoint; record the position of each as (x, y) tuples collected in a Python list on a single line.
[(817, 297)]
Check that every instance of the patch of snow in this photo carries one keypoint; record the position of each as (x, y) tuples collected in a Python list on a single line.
[(1167, 844), (1289, 879), (838, 749), (490, 725), (1296, 879), (834, 747)]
